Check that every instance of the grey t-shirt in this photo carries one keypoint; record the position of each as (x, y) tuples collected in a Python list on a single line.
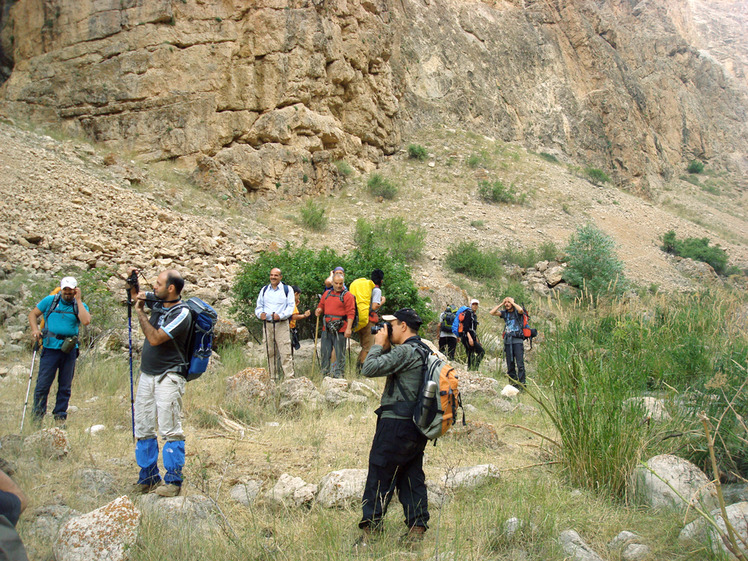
[(176, 322)]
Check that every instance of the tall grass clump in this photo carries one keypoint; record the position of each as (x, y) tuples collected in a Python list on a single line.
[(592, 262), (697, 249), (600, 435), (690, 350), (417, 152), (312, 216), (467, 258), (479, 160), (378, 186), (404, 242)]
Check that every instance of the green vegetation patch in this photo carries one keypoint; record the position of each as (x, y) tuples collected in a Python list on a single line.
[(390, 235), (378, 186), (467, 258), (697, 249)]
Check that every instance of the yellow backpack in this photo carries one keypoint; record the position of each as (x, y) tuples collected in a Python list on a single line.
[(361, 289)]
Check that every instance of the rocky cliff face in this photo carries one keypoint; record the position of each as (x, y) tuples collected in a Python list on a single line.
[(264, 96)]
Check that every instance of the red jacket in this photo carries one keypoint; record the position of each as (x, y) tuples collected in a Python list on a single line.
[(333, 308)]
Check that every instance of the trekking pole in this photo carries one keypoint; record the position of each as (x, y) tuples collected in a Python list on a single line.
[(129, 341), (316, 333), (276, 354), (267, 348), (28, 388), (348, 344)]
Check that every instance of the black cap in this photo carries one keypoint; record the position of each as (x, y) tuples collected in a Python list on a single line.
[(408, 316)]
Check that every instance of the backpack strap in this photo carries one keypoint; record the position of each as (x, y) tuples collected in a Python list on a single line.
[(190, 338), (46, 333)]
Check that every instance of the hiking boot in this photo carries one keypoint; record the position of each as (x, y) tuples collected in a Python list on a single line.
[(363, 542), (168, 490), (144, 488), (413, 536)]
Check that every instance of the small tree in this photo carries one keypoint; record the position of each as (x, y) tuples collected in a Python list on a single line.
[(592, 261), (695, 166)]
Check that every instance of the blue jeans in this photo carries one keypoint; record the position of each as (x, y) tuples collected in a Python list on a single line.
[(54, 362)]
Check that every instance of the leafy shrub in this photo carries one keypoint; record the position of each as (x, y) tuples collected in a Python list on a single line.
[(596, 176), (380, 187), (417, 152), (391, 235), (307, 268), (592, 261), (467, 258), (477, 224), (549, 157), (313, 216), (695, 166), (343, 168), (529, 257), (697, 249), (497, 192)]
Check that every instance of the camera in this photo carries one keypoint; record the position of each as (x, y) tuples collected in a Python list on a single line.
[(132, 281), (380, 325)]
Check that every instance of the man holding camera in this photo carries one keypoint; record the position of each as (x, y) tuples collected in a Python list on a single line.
[(396, 456), (161, 383), (514, 346), (338, 309), (63, 313)]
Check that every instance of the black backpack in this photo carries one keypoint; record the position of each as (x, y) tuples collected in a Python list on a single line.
[(448, 318)]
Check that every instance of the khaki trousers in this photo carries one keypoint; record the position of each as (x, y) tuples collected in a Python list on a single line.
[(277, 337)]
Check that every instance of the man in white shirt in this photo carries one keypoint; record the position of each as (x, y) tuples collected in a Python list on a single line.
[(274, 308)]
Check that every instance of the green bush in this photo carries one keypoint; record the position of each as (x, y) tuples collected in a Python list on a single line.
[(307, 268), (417, 152), (695, 166), (596, 176), (529, 257), (343, 167), (697, 249), (592, 262), (380, 187), (497, 192), (313, 216), (405, 243), (549, 157), (467, 258)]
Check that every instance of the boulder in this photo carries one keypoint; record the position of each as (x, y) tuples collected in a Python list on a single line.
[(97, 481), (246, 493), (438, 495), (575, 547), (690, 484), (105, 533), (622, 539), (636, 552), (297, 392), (473, 476), (51, 443), (477, 433), (250, 384), (701, 532), (475, 385), (193, 512), (44, 523), (654, 408), (341, 488), (291, 491), (364, 390)]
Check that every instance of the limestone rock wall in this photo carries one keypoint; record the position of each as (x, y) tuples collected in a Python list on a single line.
[(628, 87), (263, 96), (273, 90)]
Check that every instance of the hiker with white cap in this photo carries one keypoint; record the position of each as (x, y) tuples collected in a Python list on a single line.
[(63, 313), (473, 348)]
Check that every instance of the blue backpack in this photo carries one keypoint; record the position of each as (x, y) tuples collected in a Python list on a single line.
[(456, 323), (200, 341)]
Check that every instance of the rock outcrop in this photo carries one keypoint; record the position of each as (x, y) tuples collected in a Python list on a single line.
[(264, 99)]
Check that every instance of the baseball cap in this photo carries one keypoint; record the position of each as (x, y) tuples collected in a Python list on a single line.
[(68, 282), (407, 315), (474, 301)]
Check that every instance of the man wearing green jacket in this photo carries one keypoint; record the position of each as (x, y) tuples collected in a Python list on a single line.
[(396, 456)]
